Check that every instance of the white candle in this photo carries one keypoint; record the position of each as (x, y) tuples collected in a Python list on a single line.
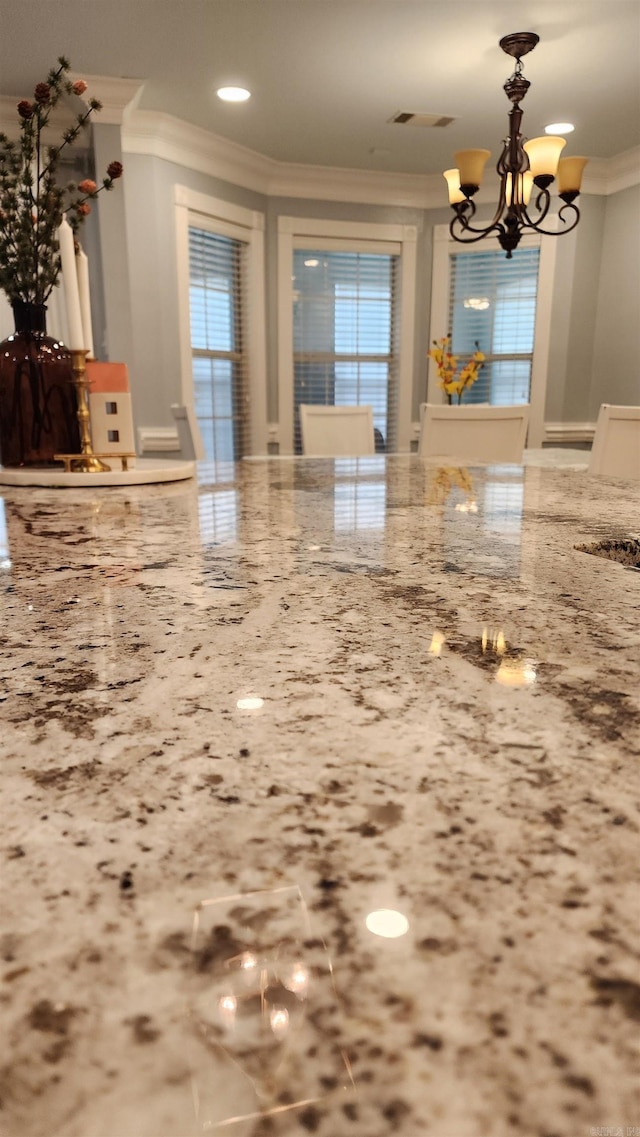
[(70, 286), (82, 266)]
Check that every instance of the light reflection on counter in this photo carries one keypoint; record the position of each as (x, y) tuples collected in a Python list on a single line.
[(360, 494), (5, 559), (444, 481), (516, 673), (250, 703), (503, 501), (262, 998), (437, 642), (387, 923), (218, 516), (512, 668)]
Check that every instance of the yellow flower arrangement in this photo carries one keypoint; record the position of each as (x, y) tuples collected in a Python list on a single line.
[(447, 364)]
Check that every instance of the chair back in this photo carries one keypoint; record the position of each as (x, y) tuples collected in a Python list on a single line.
[(189, 437), (616, 443), (473, 433), (336, 432)]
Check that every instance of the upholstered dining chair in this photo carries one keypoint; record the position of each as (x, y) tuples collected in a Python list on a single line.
[(473, 432), (336, 432), (616, 443)]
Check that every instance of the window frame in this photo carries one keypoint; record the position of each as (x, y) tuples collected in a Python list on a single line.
[(200, 211), (348, 236), (443, 243)]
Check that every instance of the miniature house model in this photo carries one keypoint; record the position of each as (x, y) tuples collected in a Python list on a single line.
[(111, 415)]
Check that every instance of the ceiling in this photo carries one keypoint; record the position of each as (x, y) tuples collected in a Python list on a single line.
[(327, 75)]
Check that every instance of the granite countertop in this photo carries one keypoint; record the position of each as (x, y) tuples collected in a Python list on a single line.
[(240, 717)]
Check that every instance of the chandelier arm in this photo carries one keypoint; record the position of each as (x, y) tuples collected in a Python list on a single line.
[(479, 233), (465, 210), (545, 196), (535, 225)]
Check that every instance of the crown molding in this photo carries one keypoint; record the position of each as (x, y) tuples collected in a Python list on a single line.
[(61, 117), (119, 97), (373, 187), (160, 135), (624, 170)]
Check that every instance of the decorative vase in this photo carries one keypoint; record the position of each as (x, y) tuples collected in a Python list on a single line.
[(38, 405)]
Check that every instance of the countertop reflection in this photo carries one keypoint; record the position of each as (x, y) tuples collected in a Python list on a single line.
[(379, 720)]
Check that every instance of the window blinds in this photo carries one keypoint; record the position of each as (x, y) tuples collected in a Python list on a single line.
[(220, 379), (344, 334), (492, 302)]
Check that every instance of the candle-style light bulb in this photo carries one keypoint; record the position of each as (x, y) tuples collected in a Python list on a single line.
[(452, 178)]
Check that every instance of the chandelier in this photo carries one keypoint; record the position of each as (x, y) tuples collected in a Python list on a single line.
[(526, 169)]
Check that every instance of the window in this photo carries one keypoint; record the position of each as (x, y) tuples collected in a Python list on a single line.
[(492, 304), (219, 363), (221, 305), (345, 323), (344, 314), (509, 314)]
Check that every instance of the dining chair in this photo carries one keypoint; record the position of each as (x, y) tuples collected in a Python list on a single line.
[(336, 432), (189, 436), (616, 443), (472, 432)]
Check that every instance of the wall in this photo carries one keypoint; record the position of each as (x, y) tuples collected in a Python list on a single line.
[(616, 348), (149, 193)]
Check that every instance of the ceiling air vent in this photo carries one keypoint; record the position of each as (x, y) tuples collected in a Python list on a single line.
[(419, 118)]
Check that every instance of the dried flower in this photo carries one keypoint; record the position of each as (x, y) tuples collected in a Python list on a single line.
[(447, 365), (33, 203), (42, 93)]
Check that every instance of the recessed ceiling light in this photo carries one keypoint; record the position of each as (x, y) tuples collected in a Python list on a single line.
[(559, 128), (311, 263), (233, 94)]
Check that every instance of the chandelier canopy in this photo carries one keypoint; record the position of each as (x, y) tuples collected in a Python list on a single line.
[(526, 170)]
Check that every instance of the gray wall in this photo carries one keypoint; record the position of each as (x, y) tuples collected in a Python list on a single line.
[(149, 195), (615, 376), (595, 327)]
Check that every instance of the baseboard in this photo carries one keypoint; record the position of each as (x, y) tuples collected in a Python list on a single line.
[(157, 439), (554, 432), (559, 432)]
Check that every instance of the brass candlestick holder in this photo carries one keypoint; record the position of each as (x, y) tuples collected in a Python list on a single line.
[(86, 462)]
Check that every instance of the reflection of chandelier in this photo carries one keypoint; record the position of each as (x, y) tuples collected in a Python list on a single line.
[(478, 303), (521, 166)]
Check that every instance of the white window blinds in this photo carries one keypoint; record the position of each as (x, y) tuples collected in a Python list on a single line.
[(492, 303), (344, 334), (216, 298)]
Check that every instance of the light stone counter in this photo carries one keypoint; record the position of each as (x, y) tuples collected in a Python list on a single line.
[(449, 729)]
